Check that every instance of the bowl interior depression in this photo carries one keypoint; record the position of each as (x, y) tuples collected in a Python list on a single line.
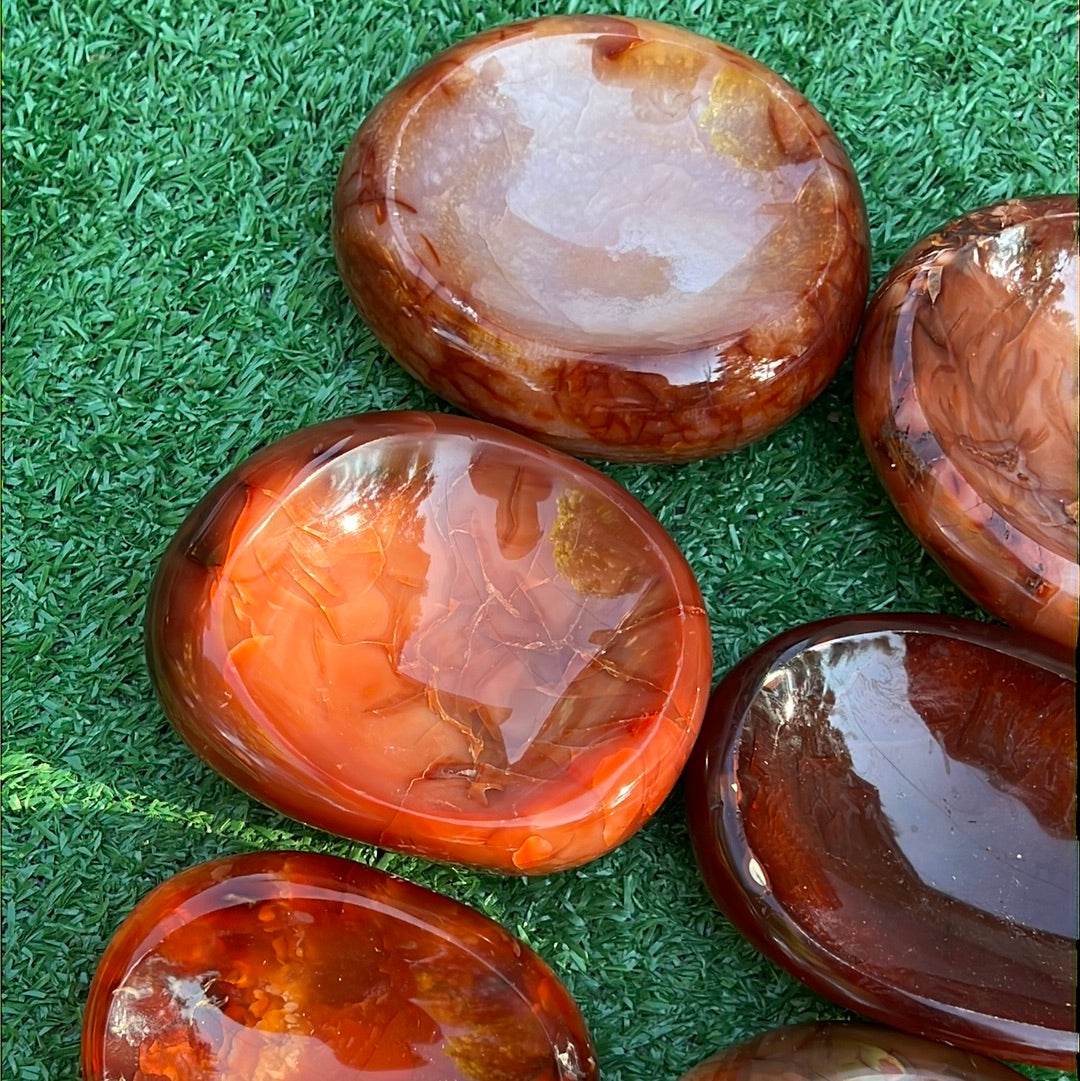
[(994, 363), (598, 191)]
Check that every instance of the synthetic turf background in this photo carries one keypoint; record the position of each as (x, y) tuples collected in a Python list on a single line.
[(171, 303)]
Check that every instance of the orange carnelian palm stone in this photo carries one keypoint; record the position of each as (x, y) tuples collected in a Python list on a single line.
[(966, 394), (886, 806), (299, 966), (614, 235), (427, 633)]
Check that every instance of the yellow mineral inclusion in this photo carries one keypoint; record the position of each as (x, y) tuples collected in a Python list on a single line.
[(487, 1053), (737, 120), (591, 548)]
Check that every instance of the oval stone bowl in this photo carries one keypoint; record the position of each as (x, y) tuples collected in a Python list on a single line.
[(885, 806), (966, 395), (427, 633), (616, 236), (845, 1051), (297, 965)]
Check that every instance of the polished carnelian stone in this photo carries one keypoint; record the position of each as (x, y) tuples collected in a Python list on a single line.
[(427, 633), (841, 1051), (886, 807), (613, 235), (297, 966), (966, 396)]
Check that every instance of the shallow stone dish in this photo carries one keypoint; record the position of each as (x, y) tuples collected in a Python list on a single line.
[(966, 394), (845, 1051), (616, 236), (885, 805), (297, 966), (430, 634)]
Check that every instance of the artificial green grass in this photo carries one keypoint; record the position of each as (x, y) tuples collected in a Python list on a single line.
[(171, 303)]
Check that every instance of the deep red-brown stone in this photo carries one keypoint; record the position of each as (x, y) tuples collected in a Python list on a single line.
[(839, 1051), (299, 966), (427, 633), (886, 807), (617, 236), (966, 397)]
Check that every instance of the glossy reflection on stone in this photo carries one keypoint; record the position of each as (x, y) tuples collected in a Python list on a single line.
[(886, 807), (838, 1051), (617, 236), (966, 397), (296, 966), (427, 633)]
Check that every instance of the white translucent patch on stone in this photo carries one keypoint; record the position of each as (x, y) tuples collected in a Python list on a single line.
[(754, 869)]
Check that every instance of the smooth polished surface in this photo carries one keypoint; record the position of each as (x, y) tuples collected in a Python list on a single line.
[(839, 1051), (427, 633), (616, 236), (886, 807), (966, 397), (296, 966)]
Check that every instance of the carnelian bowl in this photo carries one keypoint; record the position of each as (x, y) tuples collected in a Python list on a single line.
[(619, 237), (429, 634), (966, 395)]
